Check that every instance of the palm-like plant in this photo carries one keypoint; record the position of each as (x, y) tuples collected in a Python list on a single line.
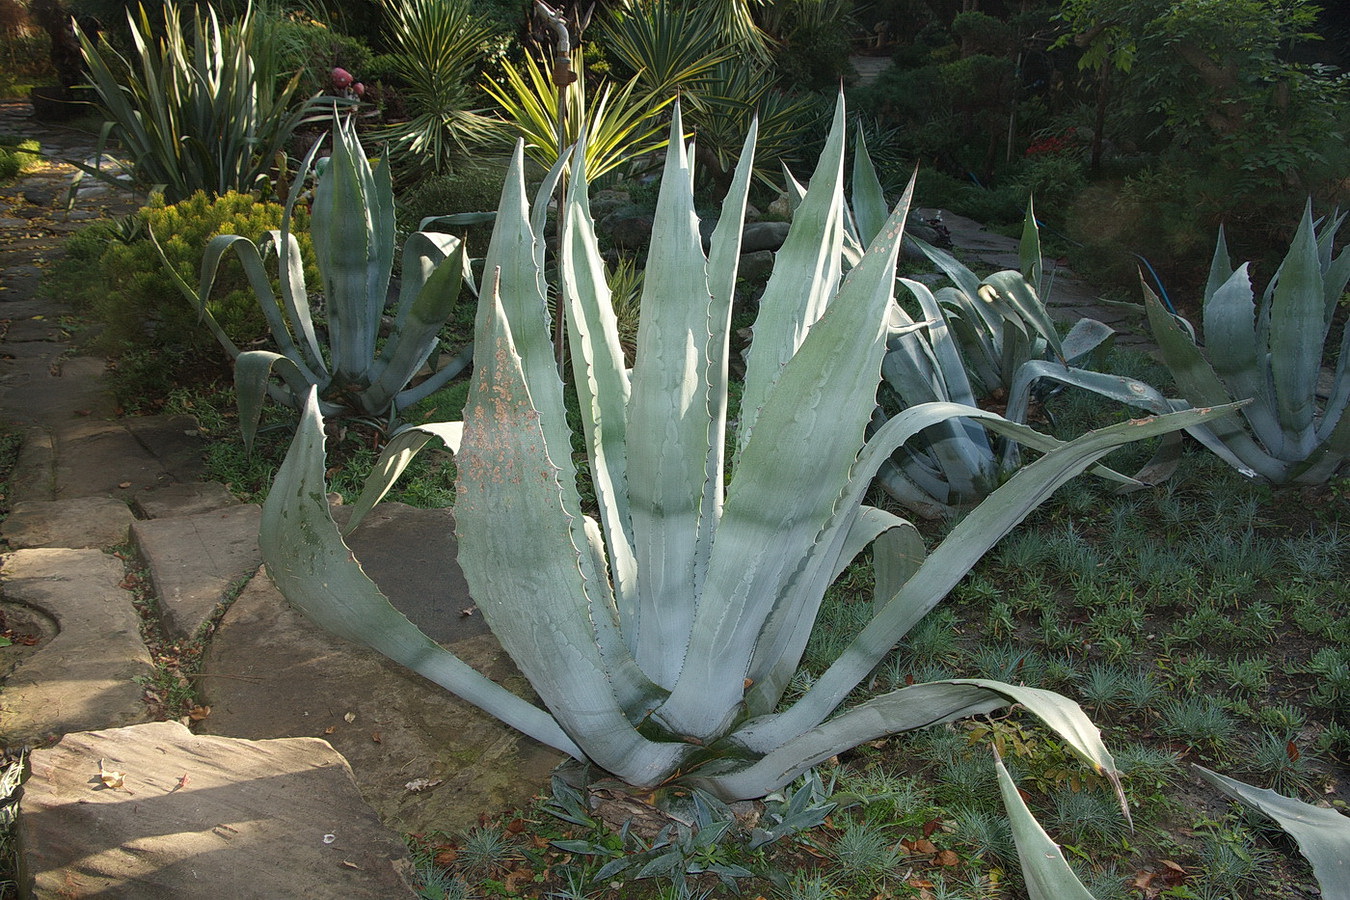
[(1273, 352), (195, 111), (661, 632), (621, 123), (669, 45), (438, 49)]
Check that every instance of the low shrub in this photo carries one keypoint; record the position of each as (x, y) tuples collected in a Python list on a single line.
[(17, 155), (115, 272)]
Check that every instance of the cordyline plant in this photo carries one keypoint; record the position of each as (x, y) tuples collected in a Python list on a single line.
[(1272, 352), (352, 227), (660, 633)]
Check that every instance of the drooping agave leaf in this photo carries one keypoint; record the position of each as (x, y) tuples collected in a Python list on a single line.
[(947, 563), (316, 571), (395, 457), (1323, 835), (1046, 871)]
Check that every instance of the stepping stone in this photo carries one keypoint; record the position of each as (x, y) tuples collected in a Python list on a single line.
[(269, 672), (80, 523), (123, 457), (84, 677), (154, 811), (198, 562), (186, 499)]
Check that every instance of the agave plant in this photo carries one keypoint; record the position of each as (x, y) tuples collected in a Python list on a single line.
[(352, 227), (1273, 352), (981, 341), (661, 627), (194, 111)]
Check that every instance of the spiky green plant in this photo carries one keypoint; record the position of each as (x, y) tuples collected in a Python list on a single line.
[(437, 50), (661, 630), (195, 110), (1270, 351), (353, 231)]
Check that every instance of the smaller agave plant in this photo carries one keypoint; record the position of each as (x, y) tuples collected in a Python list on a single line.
[(1273, 351), (977, 341), (353, 230)]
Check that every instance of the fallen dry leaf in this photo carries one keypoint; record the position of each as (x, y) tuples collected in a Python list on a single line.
[(349, 718), (423, 784), (197, 713), (330, 729), (111, 779), (377, 737)]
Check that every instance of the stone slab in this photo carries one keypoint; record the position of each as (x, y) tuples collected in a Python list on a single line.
[(81, 523), (197, 562), (34, 474), (123, 457), (183, 499), (85, 677), (270, 673), (411, 554), (202, 817)]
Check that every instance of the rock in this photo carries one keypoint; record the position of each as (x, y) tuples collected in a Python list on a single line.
[(81, 522), (198, 562), (155, 811), (628, 227), (85, 677), (270, 672), (605, 202), (184, 499), (757, 266), (758, 236)]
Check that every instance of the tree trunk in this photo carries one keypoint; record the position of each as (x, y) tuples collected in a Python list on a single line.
[(55, 19)]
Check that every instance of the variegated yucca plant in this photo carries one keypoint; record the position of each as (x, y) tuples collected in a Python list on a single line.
[(661, 627), (1296, 430), (343, 356)]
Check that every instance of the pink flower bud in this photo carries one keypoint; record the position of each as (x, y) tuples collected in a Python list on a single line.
[(342, 79), (359, 89)]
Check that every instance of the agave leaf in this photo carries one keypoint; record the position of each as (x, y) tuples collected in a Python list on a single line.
[(513, 268), (309, 562), (897, 551), (869, 201), (1044, 867), (1323, 835), (1201, 387), (969, 540), (1029, 251), (395, 457), (805, 274), (669, 403), (603, 389), (827, 387), (252, 376), (1085, 336), (905, 709), (1298, 330), (724, 256), (510, 505), (351, 229)]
